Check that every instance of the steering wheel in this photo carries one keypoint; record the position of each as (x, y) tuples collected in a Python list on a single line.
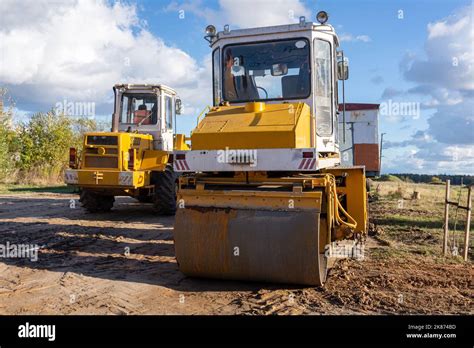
[(263, 89)]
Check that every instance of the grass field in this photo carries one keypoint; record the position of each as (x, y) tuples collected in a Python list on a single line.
[(415, 226)]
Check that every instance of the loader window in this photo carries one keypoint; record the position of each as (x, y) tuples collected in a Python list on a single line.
[(139, 109), (168, 112), (216, 76), (276, 70), (323, 87)]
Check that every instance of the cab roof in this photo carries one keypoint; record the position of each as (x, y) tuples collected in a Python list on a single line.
[(276, 29), (142, 86)]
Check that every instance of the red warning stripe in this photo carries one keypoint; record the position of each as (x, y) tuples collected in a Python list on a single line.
[(182, 165), (302, 163)]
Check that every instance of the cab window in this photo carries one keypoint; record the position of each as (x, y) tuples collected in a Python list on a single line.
[(323, 87), (277, 70), (139, 109), (169, 112), (216, 76)]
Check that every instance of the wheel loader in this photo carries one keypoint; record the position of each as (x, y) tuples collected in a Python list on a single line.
[(135, 158), (262, 195)]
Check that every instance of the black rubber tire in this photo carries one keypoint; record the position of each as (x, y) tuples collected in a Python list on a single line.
[(96, 203), (147, 199), (144, 197), (164, 199)]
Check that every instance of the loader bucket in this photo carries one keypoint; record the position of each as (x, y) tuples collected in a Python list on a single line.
[(250, 244)]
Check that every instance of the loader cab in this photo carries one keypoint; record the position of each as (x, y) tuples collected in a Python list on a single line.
[(147, 109), (280, 64)]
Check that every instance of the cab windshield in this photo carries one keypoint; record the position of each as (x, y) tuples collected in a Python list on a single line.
[(139, 109), (266, 71)]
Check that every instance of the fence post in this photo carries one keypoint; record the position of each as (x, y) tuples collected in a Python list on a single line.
[(446, 219), (468, 224)]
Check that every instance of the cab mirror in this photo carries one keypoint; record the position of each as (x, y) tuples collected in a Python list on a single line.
[(343, 70), (178, 106), (279, 69)]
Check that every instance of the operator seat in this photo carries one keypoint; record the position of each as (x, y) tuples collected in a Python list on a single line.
[(141, 114)]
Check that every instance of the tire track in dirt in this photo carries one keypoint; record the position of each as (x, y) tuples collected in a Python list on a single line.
[(83, 268)]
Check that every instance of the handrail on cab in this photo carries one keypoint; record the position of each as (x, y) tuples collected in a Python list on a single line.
[(206, 109)]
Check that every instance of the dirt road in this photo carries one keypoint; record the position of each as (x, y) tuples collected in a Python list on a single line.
[(123, 263)]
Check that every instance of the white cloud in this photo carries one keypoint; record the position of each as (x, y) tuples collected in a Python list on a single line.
[(435, 158), (453, 124), (246, 13), (344, 37), (251, 13), (79, 49), (446, 76), (449, 61), (444, 80), (447, 27)]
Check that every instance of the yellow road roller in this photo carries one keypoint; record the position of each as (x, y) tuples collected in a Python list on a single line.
[(262, 195)]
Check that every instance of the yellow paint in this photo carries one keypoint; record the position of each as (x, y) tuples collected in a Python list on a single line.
[(255, 107), (180, 142), (125, 141), (154, 160), (355, 192), (254, 126), (312, 192), (110, 179), (102, 176), (252, 199)]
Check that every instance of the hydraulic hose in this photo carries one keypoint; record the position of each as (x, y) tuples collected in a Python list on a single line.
[(351, 223)]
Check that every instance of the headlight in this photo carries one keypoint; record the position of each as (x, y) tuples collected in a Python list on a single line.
[(210, 30), (322, 17)]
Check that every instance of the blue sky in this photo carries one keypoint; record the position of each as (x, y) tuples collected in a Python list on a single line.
[(76, 51)]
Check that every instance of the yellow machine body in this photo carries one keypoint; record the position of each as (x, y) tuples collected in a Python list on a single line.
[(105, 162), (269, 209), (254, 126), (264, 226), (136, 157), (101, 164)]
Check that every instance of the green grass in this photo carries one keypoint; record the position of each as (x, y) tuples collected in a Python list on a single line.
[(387, 253), (19, 189), (399, 220), (415, 229)]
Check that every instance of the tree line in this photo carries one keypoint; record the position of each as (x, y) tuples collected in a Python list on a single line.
[(37, 149), (430, 179)]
